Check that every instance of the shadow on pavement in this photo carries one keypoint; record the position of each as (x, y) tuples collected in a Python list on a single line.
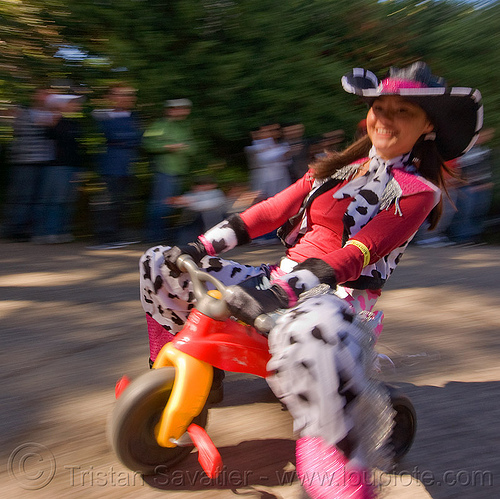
[(455, 453), (250, 463)]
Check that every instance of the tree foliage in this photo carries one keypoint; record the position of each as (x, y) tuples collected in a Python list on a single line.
[(28, 38), (242, 62)]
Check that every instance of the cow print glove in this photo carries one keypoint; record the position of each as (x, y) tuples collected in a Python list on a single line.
[(248, 303), (196, 250)]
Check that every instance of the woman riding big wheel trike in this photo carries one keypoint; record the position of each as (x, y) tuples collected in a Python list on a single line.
[(346, 224), (161, 415)]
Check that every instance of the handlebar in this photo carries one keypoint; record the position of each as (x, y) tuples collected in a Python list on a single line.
[(209, 305)]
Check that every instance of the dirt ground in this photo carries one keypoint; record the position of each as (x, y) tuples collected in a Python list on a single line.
[(72, 324)]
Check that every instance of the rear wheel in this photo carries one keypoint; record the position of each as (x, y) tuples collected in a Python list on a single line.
[(405, 423), (134, 418)]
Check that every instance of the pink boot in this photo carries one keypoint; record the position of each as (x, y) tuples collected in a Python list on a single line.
[(321, 469)]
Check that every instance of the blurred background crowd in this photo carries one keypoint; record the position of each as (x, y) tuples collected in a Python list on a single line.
[(121, 123), (52, 195)]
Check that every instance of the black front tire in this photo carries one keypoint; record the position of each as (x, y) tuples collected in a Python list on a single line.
[(132, 424), (405, 423)]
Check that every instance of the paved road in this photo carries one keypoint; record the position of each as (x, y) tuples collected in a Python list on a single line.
[(72, 324)]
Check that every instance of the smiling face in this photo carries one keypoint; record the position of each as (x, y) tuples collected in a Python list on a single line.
[(394, 125)]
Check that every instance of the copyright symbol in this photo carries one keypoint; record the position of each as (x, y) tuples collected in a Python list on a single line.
[(32, 465)]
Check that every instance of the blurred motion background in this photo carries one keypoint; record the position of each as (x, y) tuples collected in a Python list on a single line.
[(242, 64), (263, 79)]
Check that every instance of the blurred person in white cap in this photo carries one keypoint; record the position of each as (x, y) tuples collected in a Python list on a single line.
[(170, 145), (58, 187), (346, 224), (31, 152)]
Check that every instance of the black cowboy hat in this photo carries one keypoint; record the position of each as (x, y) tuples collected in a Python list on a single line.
[(456, 113)]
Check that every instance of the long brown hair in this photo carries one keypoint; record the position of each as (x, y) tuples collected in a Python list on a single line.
[(427, 157), (334, 160)]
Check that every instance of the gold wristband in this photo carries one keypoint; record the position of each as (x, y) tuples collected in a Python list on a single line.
[(363, 248)]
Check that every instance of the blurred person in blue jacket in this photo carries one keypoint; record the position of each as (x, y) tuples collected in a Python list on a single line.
[(121, 128)]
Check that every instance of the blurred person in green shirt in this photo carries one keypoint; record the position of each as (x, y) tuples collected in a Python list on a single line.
[(169, 142)]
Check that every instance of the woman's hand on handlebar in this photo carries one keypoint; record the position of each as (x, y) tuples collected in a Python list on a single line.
[(247, 304), (195, 249)]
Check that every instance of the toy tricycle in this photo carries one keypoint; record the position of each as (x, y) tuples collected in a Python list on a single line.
[(160, 416)]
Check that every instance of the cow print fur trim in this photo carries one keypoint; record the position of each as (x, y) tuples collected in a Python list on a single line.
[(227, 234), (320, 269), (239, 228)]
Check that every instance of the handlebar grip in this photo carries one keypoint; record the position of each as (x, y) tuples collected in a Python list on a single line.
[(264, 323), (184, 262), (207, 303)]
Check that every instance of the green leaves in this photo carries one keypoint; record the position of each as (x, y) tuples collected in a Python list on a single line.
[(247, 62)]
